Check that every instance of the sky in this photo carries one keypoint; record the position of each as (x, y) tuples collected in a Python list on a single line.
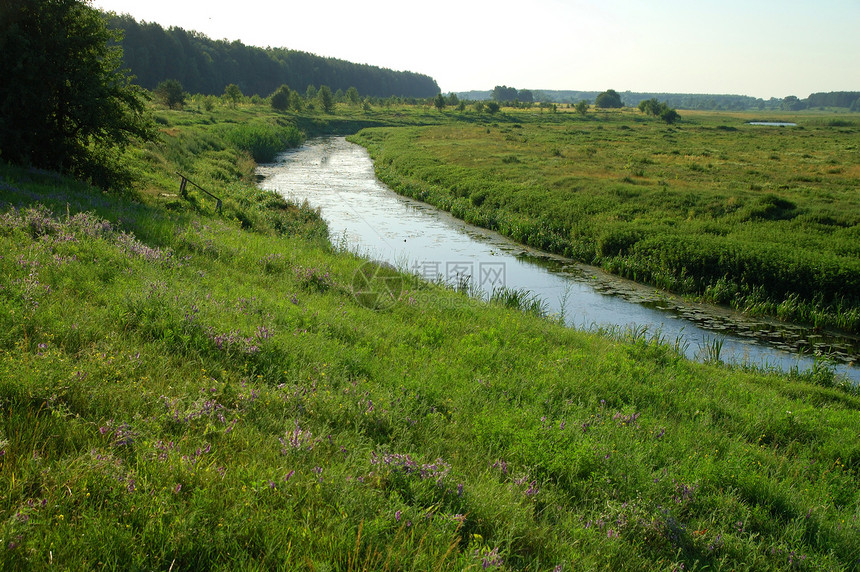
[(760, 48)]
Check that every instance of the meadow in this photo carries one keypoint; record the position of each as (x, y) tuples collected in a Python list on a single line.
[(182, 389), (765, 219)]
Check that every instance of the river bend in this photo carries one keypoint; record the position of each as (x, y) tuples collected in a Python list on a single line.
[(337, 177)]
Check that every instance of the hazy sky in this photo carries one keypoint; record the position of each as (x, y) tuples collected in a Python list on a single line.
[(762, 48)]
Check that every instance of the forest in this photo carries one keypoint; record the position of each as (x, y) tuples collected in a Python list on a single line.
[(206, 66)]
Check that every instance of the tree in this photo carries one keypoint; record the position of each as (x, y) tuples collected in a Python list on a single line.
[(492, 106), (503, 93), (526, 96), (649, 106), (325, 98), (296, 101), (793, 103), (669, 115), (280, 100), (352, 96), (233, 94), (581, 107), (609, 99), (659, 109), (439, 101), (171, 94), (65, 102)]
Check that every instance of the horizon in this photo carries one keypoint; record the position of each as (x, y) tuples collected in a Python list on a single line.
[(767, 50)]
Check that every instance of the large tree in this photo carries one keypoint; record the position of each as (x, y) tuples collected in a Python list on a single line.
[(325, 98), (525, 96), (609, 99), (504, 94), (280, 100), (170, 93), (65, 102)]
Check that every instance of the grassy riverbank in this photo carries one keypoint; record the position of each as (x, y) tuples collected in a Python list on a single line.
[(762, 218), (184, 390)]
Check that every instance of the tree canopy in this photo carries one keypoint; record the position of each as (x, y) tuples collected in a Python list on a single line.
[(171, 94), (609, 99), (325, 98), (65, 103), (503, 93), (280, 100)]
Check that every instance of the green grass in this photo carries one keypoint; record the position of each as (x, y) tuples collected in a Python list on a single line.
[(762, 218), (191, 391)]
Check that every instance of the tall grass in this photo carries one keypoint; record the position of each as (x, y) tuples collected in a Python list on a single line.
[(263, 141)]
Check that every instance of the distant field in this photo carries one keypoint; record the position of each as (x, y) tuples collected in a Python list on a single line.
[(766, 219)]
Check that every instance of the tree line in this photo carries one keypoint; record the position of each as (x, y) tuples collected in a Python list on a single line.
[(699, 101), (849, 99), (206, 66)]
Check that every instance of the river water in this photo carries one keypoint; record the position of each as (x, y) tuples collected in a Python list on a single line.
[(337, 177)]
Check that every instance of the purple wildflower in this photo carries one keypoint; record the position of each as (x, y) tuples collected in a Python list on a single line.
[(297, 439)]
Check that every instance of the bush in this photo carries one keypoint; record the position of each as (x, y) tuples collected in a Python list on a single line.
[(280, 100)]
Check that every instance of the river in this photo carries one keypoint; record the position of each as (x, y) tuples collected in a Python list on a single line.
[(337, 177)]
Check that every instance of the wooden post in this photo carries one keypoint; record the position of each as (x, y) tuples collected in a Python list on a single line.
[(183, 183)]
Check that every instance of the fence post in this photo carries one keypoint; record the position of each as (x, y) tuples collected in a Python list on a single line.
[(183, 183)]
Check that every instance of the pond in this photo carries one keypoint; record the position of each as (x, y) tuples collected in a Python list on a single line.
[(337, 177), (773, 123)]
